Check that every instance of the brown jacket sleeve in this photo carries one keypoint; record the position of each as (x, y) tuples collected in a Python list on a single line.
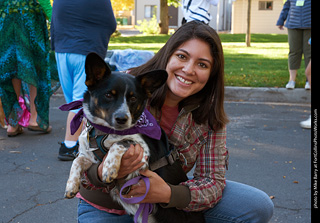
[(180, 197)]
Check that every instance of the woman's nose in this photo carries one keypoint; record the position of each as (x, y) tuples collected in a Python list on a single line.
[(188, 68)]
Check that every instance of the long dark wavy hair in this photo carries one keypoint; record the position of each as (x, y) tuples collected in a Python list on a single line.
[(211, 98)]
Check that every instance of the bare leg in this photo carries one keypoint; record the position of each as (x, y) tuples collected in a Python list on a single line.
[(17, 88), (307, 123), (68, 135), (291, 84), (293, 75), (33, 111), (2, 116), (308, 73)]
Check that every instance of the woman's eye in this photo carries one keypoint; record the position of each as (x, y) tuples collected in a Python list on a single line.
[(202, 65), (180, 56)]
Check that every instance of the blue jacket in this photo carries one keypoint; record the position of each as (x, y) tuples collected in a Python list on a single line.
[(298, 17)]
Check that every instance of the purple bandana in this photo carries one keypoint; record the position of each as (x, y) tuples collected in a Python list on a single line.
[(146, 124)]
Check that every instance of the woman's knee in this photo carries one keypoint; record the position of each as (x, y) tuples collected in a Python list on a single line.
[(241, 203), (262, 207)]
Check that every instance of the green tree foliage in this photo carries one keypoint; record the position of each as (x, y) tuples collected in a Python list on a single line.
[(122, 5), (148, 27)]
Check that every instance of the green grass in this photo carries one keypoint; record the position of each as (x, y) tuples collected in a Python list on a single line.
[(140, 42), (264, 64)]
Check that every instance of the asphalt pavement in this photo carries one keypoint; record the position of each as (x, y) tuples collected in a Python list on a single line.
[(268, 150)]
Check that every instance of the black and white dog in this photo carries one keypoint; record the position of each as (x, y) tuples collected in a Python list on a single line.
[(116, 101)]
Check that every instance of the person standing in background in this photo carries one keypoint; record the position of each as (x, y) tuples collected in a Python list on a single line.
[(25, 65), (307, 123), (78, 28), (297, 14), (197, 10)]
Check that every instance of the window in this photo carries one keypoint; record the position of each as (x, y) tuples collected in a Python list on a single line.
[(150, 10), (265, 5)]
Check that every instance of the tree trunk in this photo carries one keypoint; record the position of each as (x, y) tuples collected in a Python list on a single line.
[(248, 34), (164, 17)]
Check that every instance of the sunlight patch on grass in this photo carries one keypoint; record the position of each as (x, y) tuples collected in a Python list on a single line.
[(263, 50), (136, 46)]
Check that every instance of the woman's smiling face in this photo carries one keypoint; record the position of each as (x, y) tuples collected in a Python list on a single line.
[(188, 69)]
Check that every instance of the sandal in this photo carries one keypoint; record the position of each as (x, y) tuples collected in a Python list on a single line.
[(36, 128), (18, 131)]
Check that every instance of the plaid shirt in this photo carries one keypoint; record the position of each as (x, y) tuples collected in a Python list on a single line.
[(206, 149), (201, 147)]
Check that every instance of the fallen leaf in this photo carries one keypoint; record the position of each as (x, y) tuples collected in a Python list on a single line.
[(15, 151)]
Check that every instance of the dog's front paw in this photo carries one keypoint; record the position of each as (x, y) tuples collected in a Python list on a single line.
[(109, 175), (70, 194), (71, 190)]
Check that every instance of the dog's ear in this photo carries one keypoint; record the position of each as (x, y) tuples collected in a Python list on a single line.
[(96, 69), (152, 80)]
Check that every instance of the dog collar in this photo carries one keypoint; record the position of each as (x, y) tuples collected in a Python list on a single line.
[(146, 125)]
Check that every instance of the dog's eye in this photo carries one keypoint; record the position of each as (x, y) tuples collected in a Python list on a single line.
[(133, 99), (109, 96)]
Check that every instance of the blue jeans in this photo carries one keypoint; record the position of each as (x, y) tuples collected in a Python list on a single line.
[(240, 203)]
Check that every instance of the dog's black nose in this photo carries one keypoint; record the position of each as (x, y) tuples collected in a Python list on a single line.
[(122, 119)]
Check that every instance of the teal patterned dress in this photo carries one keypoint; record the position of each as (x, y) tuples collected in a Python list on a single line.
[(25, 55)]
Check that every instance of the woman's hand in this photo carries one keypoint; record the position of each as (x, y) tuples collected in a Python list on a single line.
[(159, 191), (131, 161), (281, 27)]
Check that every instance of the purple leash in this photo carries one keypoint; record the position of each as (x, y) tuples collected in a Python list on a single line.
[(144, 208)]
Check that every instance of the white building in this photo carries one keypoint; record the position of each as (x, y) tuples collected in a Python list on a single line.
[(264, 16), (229, 15), (144, 9)]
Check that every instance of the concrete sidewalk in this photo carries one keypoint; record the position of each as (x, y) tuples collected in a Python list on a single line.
[(263, 94)]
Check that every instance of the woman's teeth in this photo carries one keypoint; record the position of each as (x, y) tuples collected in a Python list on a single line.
[(183, 80)]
